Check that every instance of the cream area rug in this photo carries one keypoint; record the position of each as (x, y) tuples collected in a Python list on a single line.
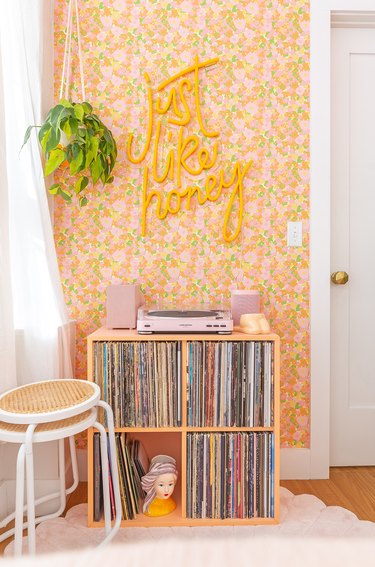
[(309, 533)]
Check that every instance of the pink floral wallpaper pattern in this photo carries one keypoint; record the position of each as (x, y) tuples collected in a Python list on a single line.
[(257, 98)]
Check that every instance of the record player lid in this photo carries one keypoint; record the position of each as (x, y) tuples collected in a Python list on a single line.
[(184, 313)]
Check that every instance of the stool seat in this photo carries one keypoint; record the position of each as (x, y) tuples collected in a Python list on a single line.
[(53, 430), (52, 411), (48, 401)]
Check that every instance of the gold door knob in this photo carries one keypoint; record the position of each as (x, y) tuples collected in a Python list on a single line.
[(339, 278)]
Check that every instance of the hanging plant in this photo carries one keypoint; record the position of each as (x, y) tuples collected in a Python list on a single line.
[(73, 136)]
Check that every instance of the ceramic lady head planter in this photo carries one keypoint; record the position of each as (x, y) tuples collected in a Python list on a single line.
[(159, 485)]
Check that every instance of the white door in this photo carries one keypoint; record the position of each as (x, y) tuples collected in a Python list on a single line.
[(353, 247)]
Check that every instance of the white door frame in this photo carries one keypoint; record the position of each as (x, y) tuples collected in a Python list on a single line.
[(320, 223)]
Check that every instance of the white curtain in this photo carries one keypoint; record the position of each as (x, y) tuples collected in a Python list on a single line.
[(34, 327), (7, 337)]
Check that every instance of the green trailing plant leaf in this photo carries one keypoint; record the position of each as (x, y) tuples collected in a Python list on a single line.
[(53, 140), (56, 157), (54, 189), (110, 141), (112, 161), (105, 169), (56, 116), (65, 195), (87, 107), (27, 135), (78, 159), (65, 127), (103, 147), (73, 133), (43, 135), (65, 103), (73, 123), (93, 150), (81, 184), (79, 112), (96, 169), (82, 201)]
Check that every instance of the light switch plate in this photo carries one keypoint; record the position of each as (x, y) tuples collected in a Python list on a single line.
[(294, 234)]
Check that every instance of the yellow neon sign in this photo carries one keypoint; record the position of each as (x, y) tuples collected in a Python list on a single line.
[(179, 159)]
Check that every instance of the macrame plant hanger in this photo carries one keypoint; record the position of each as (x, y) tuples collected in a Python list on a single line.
[(65, 77), (89, 149)]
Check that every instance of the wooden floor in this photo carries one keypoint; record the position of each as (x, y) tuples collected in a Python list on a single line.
[(352, 488)]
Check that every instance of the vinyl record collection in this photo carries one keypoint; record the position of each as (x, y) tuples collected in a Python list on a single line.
[(230, 384), (221, 398), (132, 464), (230, 475), (141, 381)]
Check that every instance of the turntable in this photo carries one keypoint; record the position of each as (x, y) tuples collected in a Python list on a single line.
[(184, 321)]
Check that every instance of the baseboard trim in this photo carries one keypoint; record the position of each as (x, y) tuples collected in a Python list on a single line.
[(295, 464)]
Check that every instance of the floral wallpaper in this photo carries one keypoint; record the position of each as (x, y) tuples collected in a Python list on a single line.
[(256, 97)]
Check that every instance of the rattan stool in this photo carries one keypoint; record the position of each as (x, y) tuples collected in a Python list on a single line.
[(48, 411)]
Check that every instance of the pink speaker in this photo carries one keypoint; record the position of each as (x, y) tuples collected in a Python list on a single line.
[(122, 306), (244, 301)]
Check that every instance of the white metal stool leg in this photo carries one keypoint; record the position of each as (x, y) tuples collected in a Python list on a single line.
[(20, 489), (73, 460), (30, 492), (62, 478), (115, 478), (105, 476), (42, 499)]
